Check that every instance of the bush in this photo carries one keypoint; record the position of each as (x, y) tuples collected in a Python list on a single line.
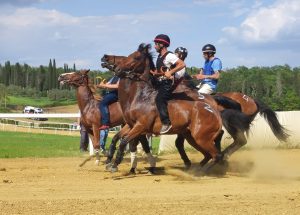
[(57, 94)]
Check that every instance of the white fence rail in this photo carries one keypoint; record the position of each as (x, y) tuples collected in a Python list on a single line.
[(32, 125)]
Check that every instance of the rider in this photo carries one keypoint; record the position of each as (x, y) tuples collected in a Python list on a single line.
[(210, 73), (168, 65), (181, 53), (110, 97)]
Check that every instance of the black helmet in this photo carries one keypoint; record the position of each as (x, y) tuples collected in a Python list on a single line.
[(162, 39), (182, 52), (209, 48)]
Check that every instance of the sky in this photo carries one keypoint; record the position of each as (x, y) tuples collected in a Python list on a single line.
[(245, 32)]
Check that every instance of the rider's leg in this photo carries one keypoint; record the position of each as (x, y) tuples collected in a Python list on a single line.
[(163, 95)]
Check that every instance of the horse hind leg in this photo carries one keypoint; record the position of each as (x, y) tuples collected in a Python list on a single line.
[(239, 141), (179, 143), (193, 143), (152, 161)]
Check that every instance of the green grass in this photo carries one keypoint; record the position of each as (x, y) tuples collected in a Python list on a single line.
[(18, 145), (37, 102)]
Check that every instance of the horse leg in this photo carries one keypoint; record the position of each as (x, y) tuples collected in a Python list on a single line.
[(179, 143), (96, 143), (133, 155), (112, 148), (239, 141), (193, 143), (145, 144), (218, 140), (133, 133)]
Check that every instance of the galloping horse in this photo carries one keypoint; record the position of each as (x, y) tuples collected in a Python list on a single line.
[(195, 120), (221, 101), (90, 114), (236, 126)]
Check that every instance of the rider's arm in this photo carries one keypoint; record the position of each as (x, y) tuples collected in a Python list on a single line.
[(111, 86), (179, 65)]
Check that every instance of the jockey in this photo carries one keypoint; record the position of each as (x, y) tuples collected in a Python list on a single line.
[(168, 65), (110, 97), (181, 53), (210, 73)]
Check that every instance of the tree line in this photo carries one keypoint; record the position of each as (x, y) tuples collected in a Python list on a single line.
[(277, 86)]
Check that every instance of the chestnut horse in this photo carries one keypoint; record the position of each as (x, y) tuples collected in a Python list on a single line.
[(195, 120), (90, 114)]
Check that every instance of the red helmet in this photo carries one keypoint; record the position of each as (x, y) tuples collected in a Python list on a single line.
[(162, 39)]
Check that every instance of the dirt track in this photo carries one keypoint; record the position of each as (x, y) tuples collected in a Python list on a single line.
[(258, 182)]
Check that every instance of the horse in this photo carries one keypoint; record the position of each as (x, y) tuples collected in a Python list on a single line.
[(90, 114), (195, 120), (235, 126), (230, 100)]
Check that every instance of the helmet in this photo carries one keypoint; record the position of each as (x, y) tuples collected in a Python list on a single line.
[(182, 52), (209, 48), (162, 39)]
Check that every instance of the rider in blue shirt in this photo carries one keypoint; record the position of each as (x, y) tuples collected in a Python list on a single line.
[(210, 73), (110, 97)]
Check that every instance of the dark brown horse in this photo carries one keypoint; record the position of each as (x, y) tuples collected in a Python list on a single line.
[(236, 126), (230, 100), (90, 114), (196, 121)]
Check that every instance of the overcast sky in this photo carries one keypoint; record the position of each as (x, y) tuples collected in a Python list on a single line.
[(245, 32)]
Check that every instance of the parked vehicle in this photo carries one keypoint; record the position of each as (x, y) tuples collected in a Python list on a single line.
[(34, 110)]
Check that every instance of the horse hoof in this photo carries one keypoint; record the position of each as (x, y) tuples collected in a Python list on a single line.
[(108, 166), (132, 171), (187, 165), (97, 162), (113, 169), (151, 171)]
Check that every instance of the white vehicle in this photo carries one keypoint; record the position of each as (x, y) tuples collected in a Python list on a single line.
[(34, 110), (30, 109)]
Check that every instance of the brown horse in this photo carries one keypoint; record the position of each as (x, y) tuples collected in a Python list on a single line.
[(90, 114), (236, 126), (221, 101), (196, 121), (229, 100)]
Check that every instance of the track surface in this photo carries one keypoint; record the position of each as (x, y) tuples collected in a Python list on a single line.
[(257, 182)]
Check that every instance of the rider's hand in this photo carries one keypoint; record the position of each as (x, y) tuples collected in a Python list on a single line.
[(168, 74), (156, 73), (200, 76), (102, 85)]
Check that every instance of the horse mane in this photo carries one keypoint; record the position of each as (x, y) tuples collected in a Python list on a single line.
[(145, 49), (92, 87)]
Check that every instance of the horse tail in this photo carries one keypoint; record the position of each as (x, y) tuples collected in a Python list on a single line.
[(227, 103), (270, 116), (235, 121)]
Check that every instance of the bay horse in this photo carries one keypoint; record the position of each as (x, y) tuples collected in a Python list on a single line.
[(90, 114), (230, 100), (195, 120), (236, 126)]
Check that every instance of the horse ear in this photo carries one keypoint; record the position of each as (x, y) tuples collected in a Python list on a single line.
[(86, 71), (141, 47), (148, 48)]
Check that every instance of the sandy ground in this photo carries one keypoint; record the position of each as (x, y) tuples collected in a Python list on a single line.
[(257, 182)]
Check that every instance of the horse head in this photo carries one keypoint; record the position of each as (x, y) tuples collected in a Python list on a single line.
[(110, 61), (136, 63), (74, 78)]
